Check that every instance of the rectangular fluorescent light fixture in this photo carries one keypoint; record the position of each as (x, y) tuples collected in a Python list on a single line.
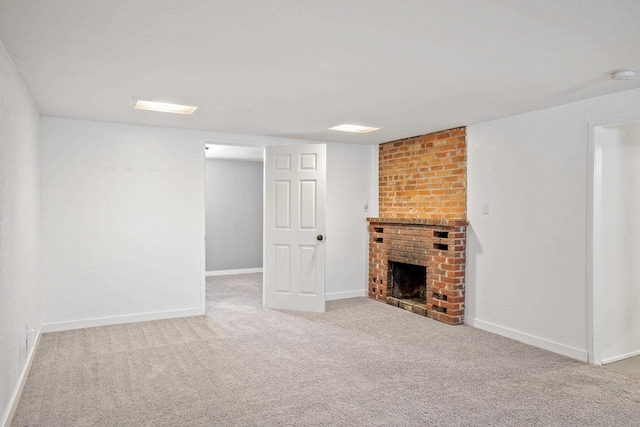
[(165, 107), (353, 128)]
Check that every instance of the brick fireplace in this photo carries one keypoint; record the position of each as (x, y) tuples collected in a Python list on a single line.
[(438, 245), (417, 245)]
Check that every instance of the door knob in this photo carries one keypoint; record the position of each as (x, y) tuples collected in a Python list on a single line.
[(319, 237)]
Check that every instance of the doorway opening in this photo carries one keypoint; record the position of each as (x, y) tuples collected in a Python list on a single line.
[(282, 224), (233, 209), (615, 245)]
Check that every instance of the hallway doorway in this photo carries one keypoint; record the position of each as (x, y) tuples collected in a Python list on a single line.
[(616, 242)]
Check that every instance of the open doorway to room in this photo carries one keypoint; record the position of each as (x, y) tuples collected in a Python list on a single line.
[(616, 242), (278, 232), (233, 209)]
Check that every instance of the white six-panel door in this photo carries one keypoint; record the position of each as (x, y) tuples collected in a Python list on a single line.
[(294, 248)]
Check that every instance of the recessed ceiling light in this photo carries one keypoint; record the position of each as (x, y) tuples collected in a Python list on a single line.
[(624, 74), (353, 128), (165, 107)]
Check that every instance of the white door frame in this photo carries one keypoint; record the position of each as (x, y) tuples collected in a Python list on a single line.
[(594, 212), (203, 233)]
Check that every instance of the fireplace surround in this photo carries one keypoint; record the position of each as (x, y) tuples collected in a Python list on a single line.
[(422, 183), (438, 245)]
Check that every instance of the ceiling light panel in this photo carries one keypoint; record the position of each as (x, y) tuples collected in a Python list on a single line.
[(165, 107), (345, 127)]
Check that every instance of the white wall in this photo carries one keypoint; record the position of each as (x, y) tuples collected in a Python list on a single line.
[(123, 218), (122, 223), (527, 260), (617, 237), (352, 179), (20, 300), (233, 214)]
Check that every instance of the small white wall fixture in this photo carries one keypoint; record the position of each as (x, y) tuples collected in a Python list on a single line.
[(615, 241)]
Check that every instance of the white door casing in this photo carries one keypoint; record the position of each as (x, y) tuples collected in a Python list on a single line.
[(294, 227)]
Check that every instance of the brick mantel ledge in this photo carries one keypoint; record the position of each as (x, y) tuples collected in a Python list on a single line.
[(420, 221)]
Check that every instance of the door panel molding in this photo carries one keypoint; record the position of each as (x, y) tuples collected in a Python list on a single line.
[(295, 199)]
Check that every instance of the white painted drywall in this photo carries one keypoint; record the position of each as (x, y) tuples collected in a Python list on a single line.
[(123, 219), (527, 259), (618, 284), (122, 222), (352, 180), (20, 297), (233, 211)]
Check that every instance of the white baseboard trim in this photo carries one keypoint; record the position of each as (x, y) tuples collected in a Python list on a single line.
[(621, 357), (117, 320), (574, 353), (232, 272), (344, 295), (15, 398)]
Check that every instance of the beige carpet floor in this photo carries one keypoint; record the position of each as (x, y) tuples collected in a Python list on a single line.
[(362, 363)]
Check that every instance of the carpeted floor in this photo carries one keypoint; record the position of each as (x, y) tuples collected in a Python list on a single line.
[(362, 363)]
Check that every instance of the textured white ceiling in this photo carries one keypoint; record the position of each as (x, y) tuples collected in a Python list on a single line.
[(293, 68)]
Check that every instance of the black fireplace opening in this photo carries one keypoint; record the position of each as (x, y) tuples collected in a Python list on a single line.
[(407, 282)]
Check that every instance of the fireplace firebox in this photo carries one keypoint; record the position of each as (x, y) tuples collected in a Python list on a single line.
[(408, 281)]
